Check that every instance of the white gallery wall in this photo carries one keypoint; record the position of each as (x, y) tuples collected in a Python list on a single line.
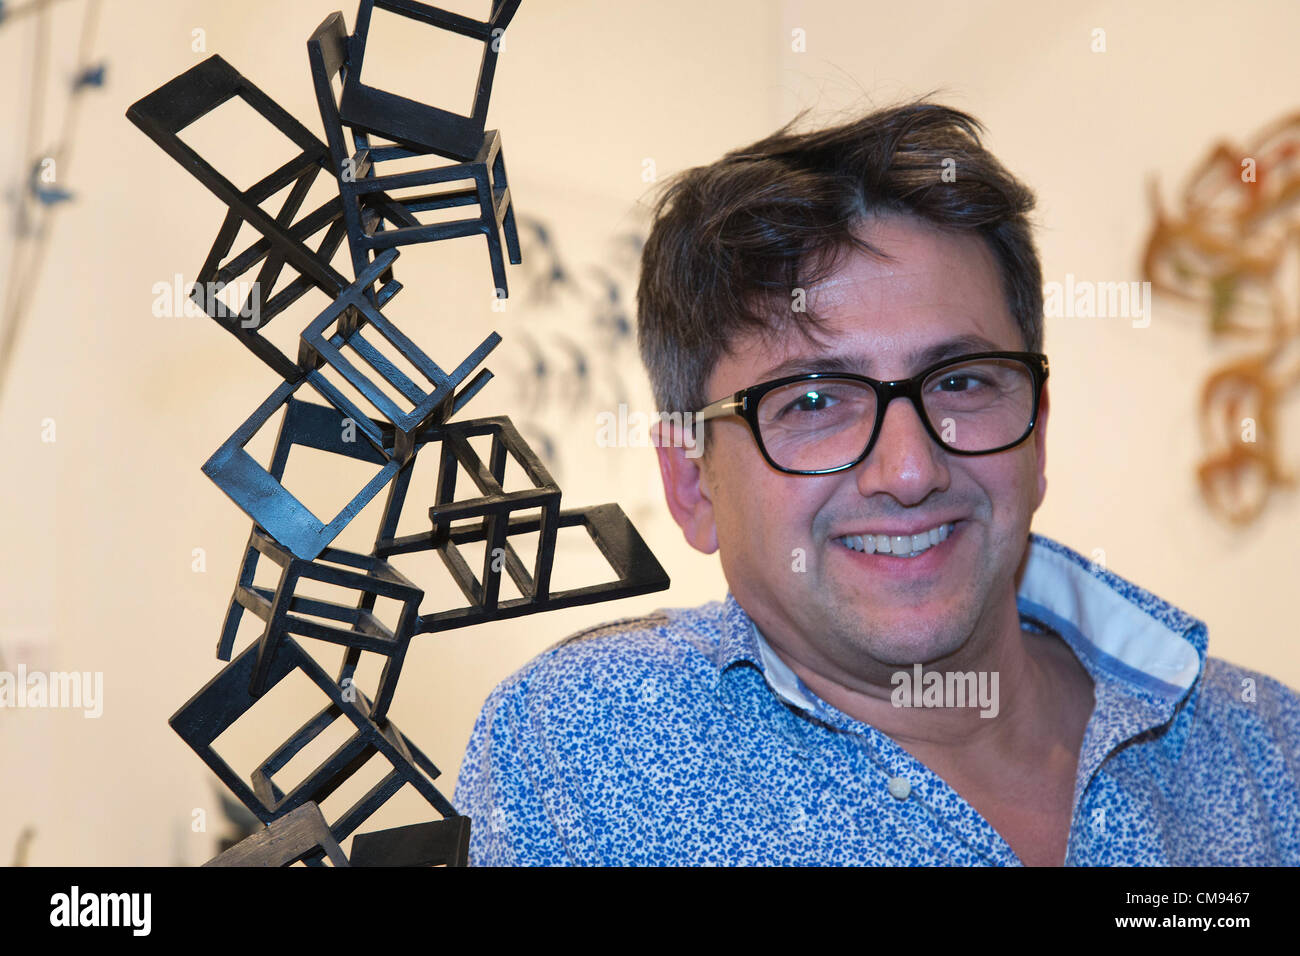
[(119, 556)]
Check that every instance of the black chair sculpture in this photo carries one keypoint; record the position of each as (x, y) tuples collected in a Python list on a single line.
[(421, 126), (436, 843), (163, 115), (226, 698), (361, 187), (300, 836), (500, 516), (357, 359), (336, 339), (291, 613), (260, 491)]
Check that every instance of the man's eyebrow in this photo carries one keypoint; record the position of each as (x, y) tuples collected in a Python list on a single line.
[(952, 348), (861, 364)]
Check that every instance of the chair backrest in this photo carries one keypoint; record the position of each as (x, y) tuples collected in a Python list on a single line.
[(298, 836), (163, 114), (327, 52), (420, 125)]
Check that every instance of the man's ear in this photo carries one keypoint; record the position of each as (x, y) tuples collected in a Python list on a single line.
[(688, 487)]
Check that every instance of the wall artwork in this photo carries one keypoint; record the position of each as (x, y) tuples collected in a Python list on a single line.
[(1231, 247)]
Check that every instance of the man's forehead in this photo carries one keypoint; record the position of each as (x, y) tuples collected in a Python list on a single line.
[(831, 359), (923, 295)]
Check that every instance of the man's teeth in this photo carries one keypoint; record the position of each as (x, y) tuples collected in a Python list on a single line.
[(899, 545)]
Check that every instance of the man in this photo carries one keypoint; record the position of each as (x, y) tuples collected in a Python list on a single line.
[(882, 574)]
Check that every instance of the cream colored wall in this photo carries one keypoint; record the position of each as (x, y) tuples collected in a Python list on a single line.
[(100, 526)]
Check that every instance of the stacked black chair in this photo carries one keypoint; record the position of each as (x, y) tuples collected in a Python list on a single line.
[(163, 115), (360, 184), (296, 837)]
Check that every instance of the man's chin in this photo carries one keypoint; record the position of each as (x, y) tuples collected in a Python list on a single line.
[(906, 641)]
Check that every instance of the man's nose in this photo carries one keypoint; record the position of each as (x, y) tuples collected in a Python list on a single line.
[(905, 461)]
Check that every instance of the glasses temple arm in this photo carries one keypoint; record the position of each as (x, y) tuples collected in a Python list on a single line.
[(725, 406)]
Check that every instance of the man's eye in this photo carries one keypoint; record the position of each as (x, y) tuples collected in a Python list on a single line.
[(960, 383), (811, 402)]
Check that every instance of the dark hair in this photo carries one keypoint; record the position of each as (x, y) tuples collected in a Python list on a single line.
[(731, 241)]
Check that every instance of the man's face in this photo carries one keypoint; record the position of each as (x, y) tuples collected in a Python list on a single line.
[(778, 533)]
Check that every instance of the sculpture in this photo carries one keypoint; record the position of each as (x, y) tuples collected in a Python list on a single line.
[(347, 341)]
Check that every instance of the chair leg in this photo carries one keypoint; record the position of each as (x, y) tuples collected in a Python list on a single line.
[(491, 229), (500, 180)]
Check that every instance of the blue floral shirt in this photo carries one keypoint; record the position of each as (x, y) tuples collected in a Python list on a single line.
[(680, 739)]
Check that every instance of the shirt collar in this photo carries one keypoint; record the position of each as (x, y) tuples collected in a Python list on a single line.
[(1113, 625), (1122, 634)]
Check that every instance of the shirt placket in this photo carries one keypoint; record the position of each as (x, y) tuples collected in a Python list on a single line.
[(942, 827)]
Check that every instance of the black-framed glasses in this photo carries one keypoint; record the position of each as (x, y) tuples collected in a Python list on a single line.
[(823, 422)]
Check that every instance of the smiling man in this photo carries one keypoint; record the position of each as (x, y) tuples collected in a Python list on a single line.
[(856, 316)]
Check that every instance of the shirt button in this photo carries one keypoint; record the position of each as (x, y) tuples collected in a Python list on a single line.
[(900, 787)]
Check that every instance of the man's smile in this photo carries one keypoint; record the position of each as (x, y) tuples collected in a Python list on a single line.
[(922, 554), (900, 544)]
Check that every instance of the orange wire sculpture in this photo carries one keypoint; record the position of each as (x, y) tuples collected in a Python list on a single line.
[(1234, 250)]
